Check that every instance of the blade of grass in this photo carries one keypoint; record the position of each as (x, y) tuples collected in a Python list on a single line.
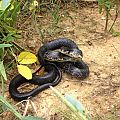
[(2, 70), (69, 105), (10, 107), (3, 90)]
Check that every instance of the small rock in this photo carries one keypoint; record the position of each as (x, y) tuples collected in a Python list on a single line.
[(103, 75), (103, 18)]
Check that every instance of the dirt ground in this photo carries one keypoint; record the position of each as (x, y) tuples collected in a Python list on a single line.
[(100, 92)]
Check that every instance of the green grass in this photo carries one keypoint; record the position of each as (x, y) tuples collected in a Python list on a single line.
[(6, 105), (76, 110)]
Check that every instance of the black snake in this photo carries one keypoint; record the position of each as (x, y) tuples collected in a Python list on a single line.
[(53, 76)]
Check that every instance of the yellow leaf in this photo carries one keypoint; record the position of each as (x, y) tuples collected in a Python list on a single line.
[(26, 58), (25, 71)]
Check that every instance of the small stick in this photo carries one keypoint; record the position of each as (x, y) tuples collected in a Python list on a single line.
[(33, 106), (26, 108), (116, 50), (13, 42)]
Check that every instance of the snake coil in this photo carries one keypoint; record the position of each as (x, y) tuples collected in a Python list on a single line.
[(53, 76)]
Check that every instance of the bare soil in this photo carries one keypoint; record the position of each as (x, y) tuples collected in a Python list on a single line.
[(100, 92)]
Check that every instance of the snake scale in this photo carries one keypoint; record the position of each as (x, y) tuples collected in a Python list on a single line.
[(69, 50)]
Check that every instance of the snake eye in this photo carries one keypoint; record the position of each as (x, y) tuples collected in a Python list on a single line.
[(80, 56)]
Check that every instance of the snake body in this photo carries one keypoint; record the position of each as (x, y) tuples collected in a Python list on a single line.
[(77, 69), (53, 77)]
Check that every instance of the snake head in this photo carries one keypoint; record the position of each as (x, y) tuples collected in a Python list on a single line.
[(74, 53)]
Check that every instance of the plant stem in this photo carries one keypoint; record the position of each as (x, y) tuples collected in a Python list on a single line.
[(106, 24), (116, 15), (35, 25)]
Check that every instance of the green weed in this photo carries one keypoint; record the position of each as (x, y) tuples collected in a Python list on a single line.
[(106, 6), (76, 109), (8, 14)]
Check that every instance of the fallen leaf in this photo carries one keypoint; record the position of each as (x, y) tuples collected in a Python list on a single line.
[(26, 58), (25, 71)]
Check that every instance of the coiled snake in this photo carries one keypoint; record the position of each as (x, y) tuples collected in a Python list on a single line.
[(68, 59)]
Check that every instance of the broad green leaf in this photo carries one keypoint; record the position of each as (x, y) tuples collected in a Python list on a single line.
[(79, 114), (5, 45), (4, 4), (75, 103), (62, 98), (2, 70), (31, 118), (26, 58), (25, 71)]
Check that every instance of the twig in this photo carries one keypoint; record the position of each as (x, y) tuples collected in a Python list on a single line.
[(21, 102), (116, 50), (33, 106), (13, 42)]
